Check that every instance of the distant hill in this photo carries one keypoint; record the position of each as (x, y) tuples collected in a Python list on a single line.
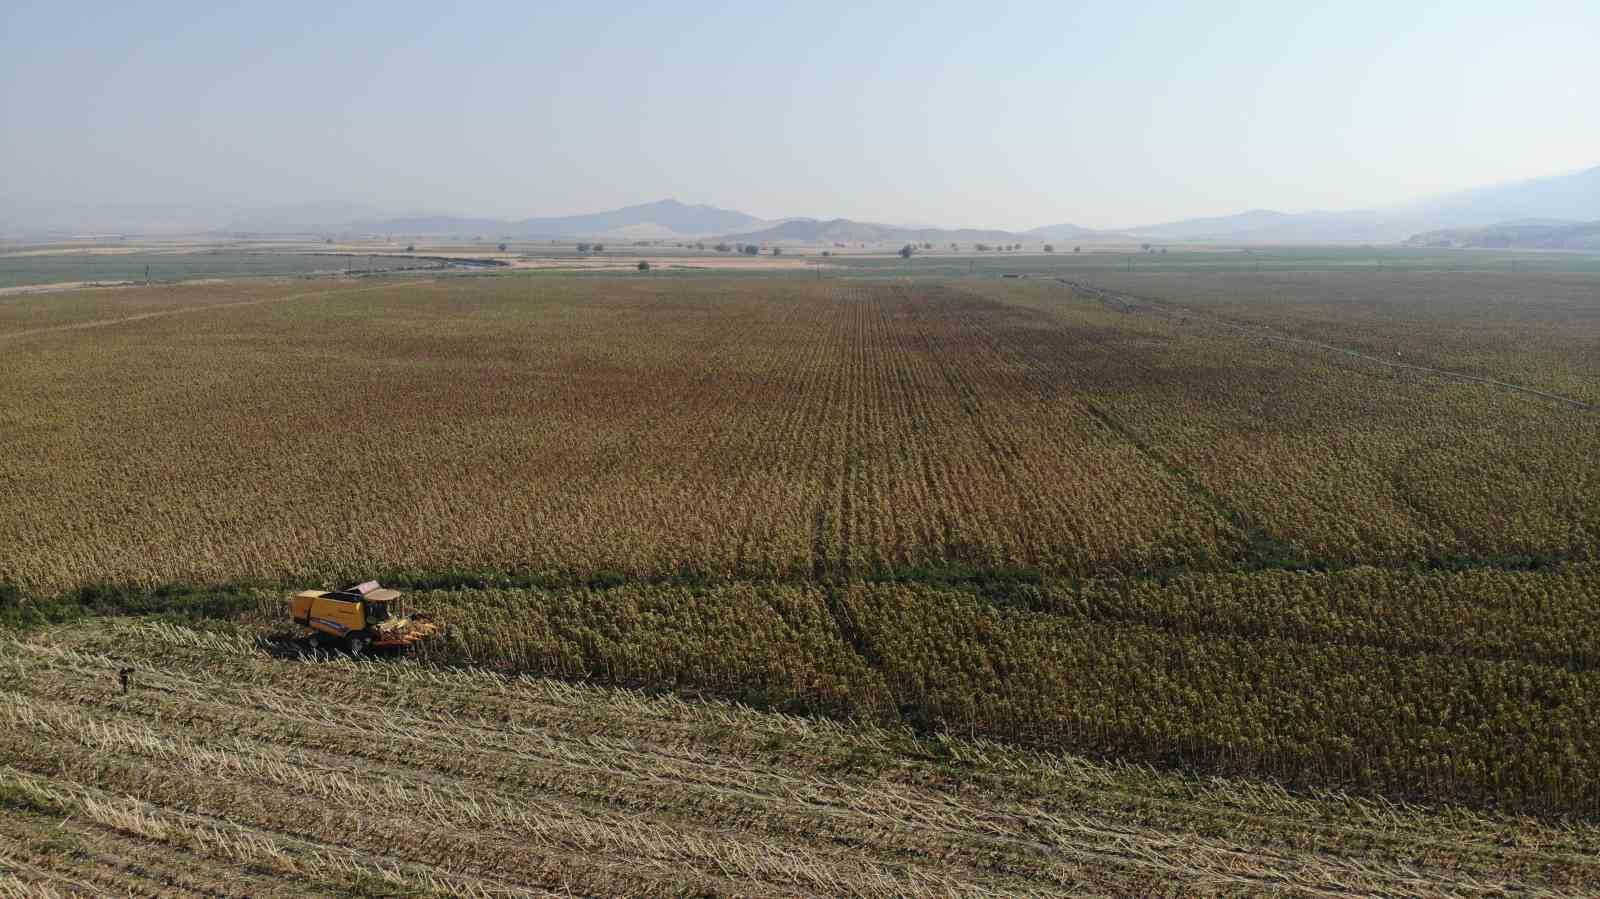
[(669, 218), (1518, 235), (848, 231), (1065, 232), (1266, 225), (1572, 197), (1204, 228)]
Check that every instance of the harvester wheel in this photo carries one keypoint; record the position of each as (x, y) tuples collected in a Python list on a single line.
[(358, 645)]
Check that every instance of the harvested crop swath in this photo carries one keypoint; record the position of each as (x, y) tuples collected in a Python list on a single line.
[(226, 766)]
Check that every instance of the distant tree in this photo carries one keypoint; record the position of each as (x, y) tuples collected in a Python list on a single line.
[(981, 247), (927, 246), (700, 246), (599, 248), (955, 246), (411, 248), (502, 248), (1077, 249), (584, 247), (751, 249), (1145, 247), (1049, 248), (1163, 251), (644, 265), (327, 240), (907, 251), (827, 252), (723, 248), (777, 251)]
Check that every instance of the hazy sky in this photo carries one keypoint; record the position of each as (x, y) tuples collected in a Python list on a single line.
[(960, 113)]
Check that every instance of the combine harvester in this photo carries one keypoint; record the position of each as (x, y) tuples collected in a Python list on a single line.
[(360, 617)]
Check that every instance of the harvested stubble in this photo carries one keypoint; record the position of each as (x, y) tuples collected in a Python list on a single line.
[(226, 762)]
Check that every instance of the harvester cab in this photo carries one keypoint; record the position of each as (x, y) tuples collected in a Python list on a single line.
[(360, 617)]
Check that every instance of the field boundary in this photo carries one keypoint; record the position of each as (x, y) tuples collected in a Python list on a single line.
[(1127, 302)]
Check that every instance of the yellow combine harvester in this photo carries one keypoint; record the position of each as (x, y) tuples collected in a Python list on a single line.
[(360, 617)]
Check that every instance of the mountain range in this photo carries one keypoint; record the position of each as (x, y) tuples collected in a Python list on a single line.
[(1564, 199), (1561, 200), (805, 230), (1519, 235), (1569, 198)]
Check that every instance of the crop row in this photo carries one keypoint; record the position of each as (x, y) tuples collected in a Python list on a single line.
[(1210, 673), (1321, 458), (1549, 617), (1541, 330), (719, 429)]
